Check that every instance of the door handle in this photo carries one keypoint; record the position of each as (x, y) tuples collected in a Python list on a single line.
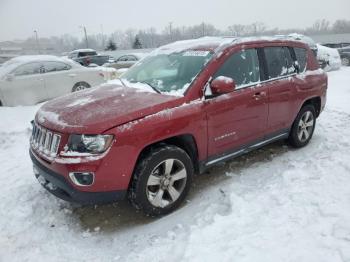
[(259, 95), (72, 75)]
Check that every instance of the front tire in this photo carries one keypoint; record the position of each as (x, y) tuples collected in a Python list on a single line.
[(161, 180), (80, 86), (303, 127)]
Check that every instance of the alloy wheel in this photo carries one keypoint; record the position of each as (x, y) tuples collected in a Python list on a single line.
[(166, 183), (305, 126), (80, 87)]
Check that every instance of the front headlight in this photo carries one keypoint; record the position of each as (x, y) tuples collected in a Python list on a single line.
[(94, 144)]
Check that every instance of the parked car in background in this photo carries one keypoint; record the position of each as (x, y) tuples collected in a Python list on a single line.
[(328, 58), (188, 106), (89, 57), (94, 60), (81, 53), (126, 61), (27, 80), (5, 57), (344, 51), (336, 45)]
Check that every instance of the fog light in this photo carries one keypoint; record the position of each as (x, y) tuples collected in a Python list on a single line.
[(82, 178)]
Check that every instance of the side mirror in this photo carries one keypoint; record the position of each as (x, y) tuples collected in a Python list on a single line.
[(9, 77), (222, 85)]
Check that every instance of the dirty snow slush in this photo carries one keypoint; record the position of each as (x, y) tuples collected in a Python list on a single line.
[(274, 204)]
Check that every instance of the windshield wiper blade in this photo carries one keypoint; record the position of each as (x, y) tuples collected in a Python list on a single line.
[(154, 88), (121, 81)]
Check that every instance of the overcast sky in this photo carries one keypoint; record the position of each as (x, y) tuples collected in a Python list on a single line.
[(18, 18)]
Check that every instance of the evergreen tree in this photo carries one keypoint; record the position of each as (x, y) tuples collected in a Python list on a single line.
[(111, 46), (137, 43)]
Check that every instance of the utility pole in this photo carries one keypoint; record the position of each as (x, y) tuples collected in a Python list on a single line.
[(37, 41), (203, 29), (171, 30), (103, 37), (86, 38)]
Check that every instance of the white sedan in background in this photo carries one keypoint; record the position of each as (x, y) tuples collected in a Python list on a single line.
[(28, 80), (328, 58)]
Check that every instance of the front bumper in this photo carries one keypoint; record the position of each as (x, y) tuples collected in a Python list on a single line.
[(57, 185)]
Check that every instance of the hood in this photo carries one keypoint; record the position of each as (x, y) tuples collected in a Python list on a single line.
[(95, 110)]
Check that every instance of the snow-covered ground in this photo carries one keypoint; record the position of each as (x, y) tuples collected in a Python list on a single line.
[(274, 204)]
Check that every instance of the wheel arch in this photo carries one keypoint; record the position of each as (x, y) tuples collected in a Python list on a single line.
[(314, 101), (79, 83), (186, 142)]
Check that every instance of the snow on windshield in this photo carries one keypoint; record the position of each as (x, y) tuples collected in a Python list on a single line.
[(168, 73)]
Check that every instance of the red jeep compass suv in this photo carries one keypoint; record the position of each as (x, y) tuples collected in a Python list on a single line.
[(181, 110)]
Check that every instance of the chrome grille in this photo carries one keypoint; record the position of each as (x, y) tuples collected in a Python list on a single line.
[(44, 140)]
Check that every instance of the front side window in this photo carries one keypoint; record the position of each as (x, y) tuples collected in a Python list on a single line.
[(28, 69), (300, 54), (55, 67), (123, 58), (242, 67), (279, 61), (168, 72)]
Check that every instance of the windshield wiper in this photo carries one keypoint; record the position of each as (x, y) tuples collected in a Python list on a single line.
[(121, 81), (154, 88)]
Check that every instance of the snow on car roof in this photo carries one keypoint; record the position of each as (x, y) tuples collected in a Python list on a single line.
[(209, 43), (84, 50), (34, 58), (216, 44), (20, 60)]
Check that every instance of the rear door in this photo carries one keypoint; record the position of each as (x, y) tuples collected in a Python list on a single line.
[(58, 78), (281, 85), (238, 118), (27, 85)]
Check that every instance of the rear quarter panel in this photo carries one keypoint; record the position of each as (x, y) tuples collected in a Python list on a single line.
[(88, 75)]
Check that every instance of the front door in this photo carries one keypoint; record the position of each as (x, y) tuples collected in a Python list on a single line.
[(238, 118)]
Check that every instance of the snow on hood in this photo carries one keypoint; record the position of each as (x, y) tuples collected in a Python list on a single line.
[(95, 110)]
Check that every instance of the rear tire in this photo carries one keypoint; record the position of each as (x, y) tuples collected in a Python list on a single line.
[(80, 86), (345, 61), (161, 180), (303, 127)]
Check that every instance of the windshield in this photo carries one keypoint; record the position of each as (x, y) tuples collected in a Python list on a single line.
[(168, 73)]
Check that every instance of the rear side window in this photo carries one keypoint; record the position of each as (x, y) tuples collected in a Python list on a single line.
[(242, 67), (279, 61), (55, 66), (300, 53)]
